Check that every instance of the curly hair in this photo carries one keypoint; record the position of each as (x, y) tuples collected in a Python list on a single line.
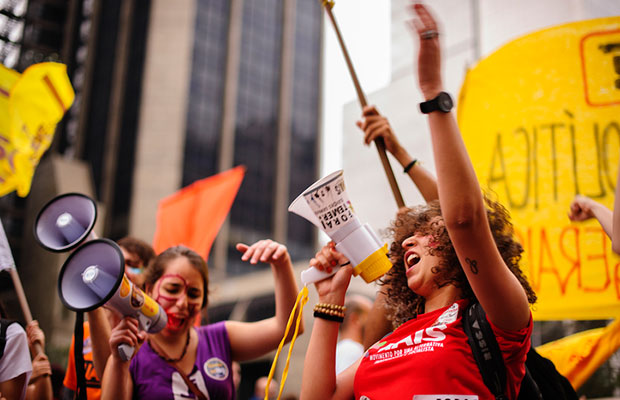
[(402, 303)]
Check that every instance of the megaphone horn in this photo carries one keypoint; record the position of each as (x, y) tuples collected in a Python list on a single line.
[(94, 275), (65, 222), (326, 204)]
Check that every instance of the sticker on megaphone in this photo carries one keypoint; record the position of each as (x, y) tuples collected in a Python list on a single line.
[(93, 276), (326, 204), (129, 300)]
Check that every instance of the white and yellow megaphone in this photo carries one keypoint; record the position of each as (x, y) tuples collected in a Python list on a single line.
[(326, 204)]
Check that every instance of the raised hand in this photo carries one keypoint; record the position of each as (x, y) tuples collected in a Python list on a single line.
[(580, 208), (325, 260), (267, 251), (429, 55), (35, 336), (126, 332), (40, 367), (377, 126)]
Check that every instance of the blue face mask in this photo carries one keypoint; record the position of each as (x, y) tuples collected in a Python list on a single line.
[(135, 271)]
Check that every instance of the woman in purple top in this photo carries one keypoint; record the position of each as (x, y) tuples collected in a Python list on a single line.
[(181, 361)]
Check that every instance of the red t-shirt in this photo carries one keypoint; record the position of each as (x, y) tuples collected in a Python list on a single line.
[(429, 357), (93, 384)]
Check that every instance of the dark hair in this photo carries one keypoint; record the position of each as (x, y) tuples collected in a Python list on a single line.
[(402, 303), (139, 247), (159, 264)]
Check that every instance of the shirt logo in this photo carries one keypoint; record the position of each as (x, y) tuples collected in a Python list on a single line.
[(216, 369), (431, 334), (448, 316)]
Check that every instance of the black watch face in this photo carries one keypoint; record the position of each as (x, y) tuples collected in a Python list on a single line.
[(444, 102)]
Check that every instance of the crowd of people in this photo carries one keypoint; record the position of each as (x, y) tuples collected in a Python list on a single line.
[(455, 250)]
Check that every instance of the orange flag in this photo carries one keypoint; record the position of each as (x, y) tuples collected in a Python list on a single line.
[(193, 215)]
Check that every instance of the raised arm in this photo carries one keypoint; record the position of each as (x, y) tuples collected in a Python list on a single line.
[(252, 339), (376, 125), (460, 195), (583, 208), (100, 338), (319, 381), (615, 235)]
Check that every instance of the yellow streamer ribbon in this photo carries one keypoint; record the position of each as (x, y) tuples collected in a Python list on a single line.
[(302, 299)]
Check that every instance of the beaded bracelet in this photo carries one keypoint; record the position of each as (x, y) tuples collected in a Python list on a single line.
[(330, 309), (331, 306), (329, 317)]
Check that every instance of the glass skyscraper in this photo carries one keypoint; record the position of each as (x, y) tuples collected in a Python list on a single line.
[(252, 71)]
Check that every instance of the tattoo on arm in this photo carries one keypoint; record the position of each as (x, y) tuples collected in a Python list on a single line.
[(473, 265)]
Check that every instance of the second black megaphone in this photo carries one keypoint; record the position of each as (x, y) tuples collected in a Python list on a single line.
[(94, 275), (65, 222)]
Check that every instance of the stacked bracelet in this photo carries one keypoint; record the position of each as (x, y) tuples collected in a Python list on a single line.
[(330, 312), (410, 165)]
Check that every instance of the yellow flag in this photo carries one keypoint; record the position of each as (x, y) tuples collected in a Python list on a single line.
[(541, 120), (578, 356), (31, 104)]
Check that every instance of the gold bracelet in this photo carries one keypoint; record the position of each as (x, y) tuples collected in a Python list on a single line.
[(330, 309), (331, 306)]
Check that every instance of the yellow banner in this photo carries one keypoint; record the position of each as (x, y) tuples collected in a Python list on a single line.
[(541, 120), (31, 104), (578, 356)]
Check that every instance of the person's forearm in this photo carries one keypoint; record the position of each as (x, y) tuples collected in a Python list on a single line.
[(100, 337), (421, 177), (40, 389), (319, 374), (116, 383), (286, 291), (604, 217), (459, 191), (615, 230)]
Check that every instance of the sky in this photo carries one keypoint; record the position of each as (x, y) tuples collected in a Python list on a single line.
[(369, 49)]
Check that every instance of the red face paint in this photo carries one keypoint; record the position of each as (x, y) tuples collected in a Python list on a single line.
[(172, 288)]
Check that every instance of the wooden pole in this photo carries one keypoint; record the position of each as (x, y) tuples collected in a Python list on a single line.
[(23, 302), (362, 99)]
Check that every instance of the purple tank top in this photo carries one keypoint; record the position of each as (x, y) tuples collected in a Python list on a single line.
[(153, 378)]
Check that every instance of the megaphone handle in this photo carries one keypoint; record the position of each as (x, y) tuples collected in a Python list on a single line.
[(312, 275), (125, 351)]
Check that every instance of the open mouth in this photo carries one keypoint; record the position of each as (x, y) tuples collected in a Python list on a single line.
[(411, 259), (175, 321)]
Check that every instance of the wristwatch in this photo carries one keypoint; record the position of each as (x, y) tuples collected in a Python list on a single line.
[(443, 102)]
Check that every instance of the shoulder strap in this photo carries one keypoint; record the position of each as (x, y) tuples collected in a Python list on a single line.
[(191, 385), (529, 388), (485, 349)]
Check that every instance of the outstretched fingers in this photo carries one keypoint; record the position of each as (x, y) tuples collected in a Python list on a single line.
[(265, 250), (424, 21)]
